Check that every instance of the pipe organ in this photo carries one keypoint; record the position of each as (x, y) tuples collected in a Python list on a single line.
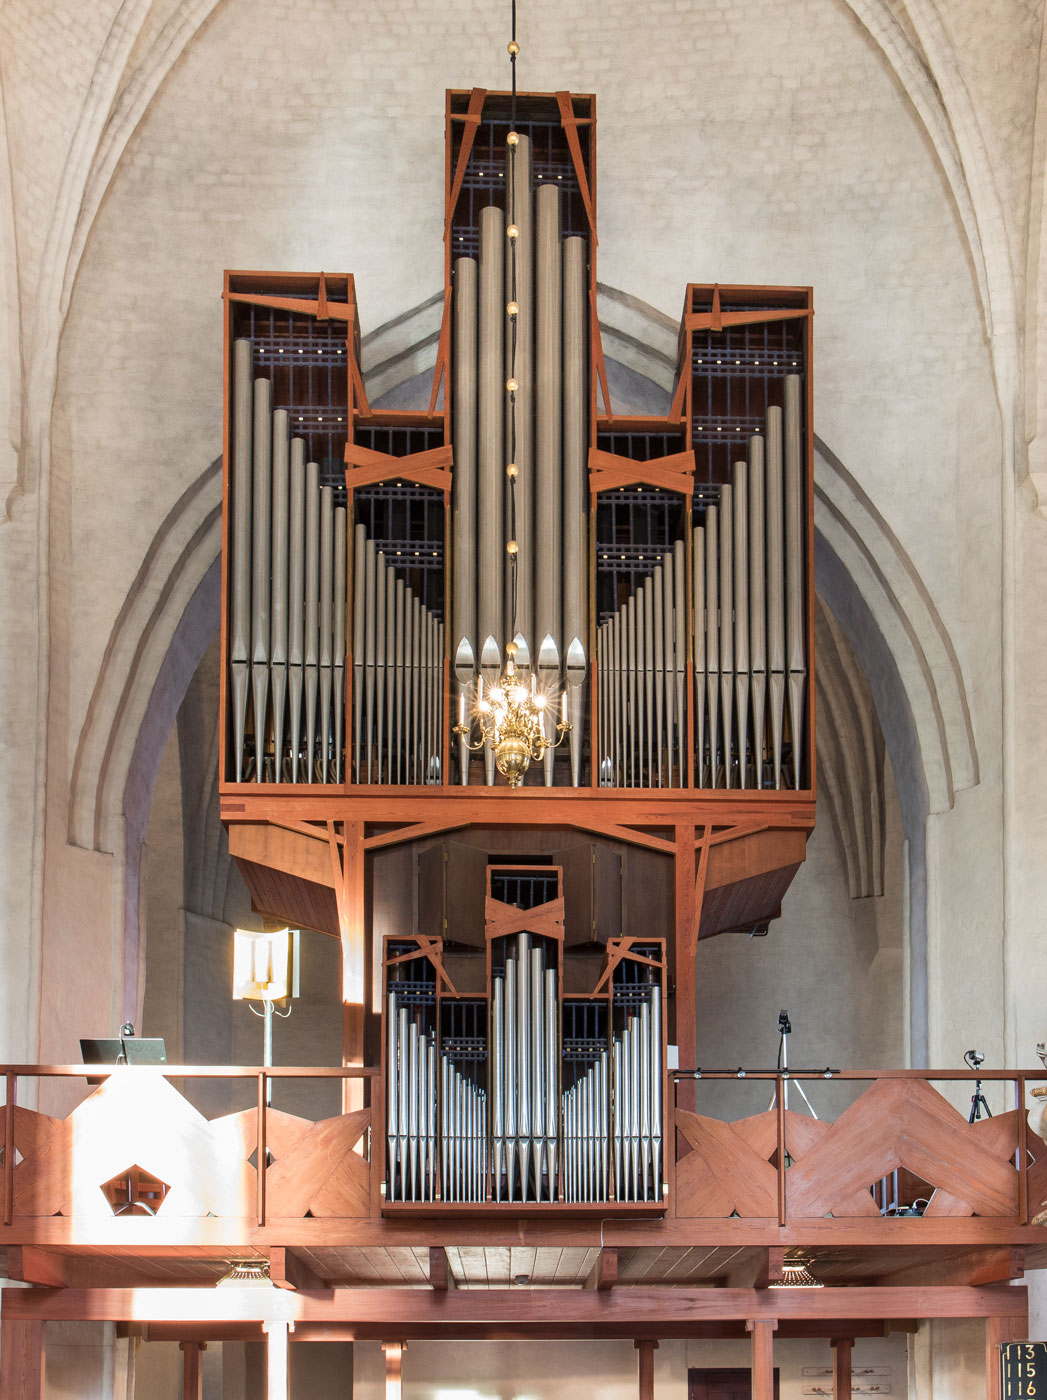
[(388, 571), (526, 1093)]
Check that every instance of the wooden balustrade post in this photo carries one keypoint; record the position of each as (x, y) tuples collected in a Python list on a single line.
[(262, 1150), (762, 1331), (21, 1359), (779, 1127), (277, 1337), (842, 1347), (645, 1369), (192, 1369), (1023, 1151), (9, 1151)]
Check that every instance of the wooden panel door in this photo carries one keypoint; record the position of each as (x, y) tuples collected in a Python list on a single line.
[(722, 1383)]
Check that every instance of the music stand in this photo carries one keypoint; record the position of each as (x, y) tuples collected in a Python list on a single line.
[(122, 1050)]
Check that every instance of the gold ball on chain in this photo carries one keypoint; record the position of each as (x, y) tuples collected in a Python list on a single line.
[(511, 547), (510, 648), (512, 471), (512, 48), (512, 309), (511, 385), (513, 139), (512, 232)]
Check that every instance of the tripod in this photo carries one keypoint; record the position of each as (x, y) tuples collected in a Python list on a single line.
[(784, 1031), (975, 1058)]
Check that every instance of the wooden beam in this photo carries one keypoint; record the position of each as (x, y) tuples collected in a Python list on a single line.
[(287, 1269), (994, 1264), (621, 1312), (645, 1369), (604, 1273), (440, 1277), (756, 1268), (192, 1369), (49, 1269), (21, 1357), (842, 1348), (762, 1331)]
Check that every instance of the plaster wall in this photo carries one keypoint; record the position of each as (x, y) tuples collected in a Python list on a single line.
[(551, 1371)]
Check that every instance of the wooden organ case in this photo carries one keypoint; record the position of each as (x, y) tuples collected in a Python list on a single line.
[(663, 590)]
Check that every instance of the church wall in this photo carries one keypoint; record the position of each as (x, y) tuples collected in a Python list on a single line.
[(551, 1371)]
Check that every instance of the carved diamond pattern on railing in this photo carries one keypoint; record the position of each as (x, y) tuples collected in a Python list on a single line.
[(67, 1164), (729, 1168)]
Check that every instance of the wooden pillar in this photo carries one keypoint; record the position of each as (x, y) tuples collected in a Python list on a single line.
[(394, 1373), (349, 893), (842, 1347), (21, 1359), (762, 1331), (687, 906), (645, 1369), (192, 1369), (277, 1336), (998, 1330)]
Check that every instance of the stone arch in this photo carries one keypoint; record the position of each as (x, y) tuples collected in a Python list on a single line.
[(170, 614)]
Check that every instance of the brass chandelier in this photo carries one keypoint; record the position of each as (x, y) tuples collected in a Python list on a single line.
[(512, 717)]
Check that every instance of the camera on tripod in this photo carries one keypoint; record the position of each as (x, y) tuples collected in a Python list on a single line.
[(974, 1059)]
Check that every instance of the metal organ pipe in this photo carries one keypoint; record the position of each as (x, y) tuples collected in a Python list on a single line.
[(575, 511), (548, 466), (278, 616), (312, 615), (240, 571), (260, 547), (296, 601), (740, 500), (521, 212), (490, 439), (794, 570), (465, 516), (757, 603), (326, 624), (775, 587)]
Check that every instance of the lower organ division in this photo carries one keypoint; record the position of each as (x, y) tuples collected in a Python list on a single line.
[(525, 1094)]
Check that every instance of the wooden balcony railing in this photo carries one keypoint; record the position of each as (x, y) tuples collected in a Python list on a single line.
[(135, 1145), (797, 1167)]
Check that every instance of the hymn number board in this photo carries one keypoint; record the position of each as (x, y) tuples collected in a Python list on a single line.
[(1024, 1369)]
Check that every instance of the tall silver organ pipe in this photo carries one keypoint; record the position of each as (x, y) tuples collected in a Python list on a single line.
[(527, 367), (575, 491), (465, 517), (549, 327), (398, 664), (287, 623), (490, 493), (794, 595)]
